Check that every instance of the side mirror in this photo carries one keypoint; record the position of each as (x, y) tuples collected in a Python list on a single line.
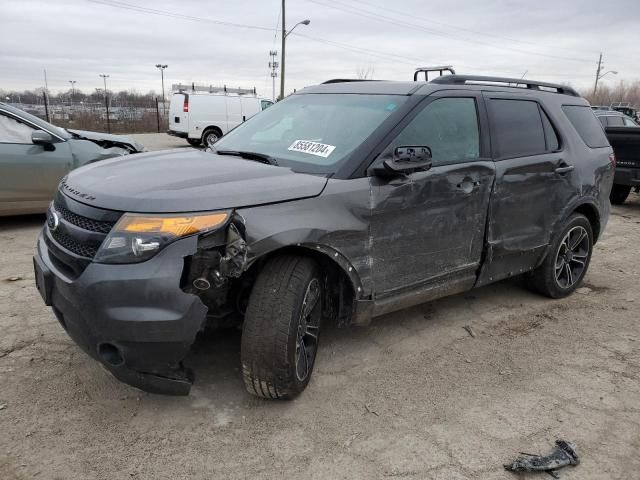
[(44, 139), (405, 160)]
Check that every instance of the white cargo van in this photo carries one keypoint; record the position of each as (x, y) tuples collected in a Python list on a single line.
[(202, 115)]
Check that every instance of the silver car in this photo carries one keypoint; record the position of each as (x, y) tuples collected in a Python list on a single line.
[(35, 155)]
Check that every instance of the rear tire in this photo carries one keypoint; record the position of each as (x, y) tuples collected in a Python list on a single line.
[(210, 136), (194, 142), (567, 261), (619, 194), (281, 326)]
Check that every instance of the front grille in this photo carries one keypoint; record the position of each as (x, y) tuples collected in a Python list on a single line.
[(83, 222), (75, 232), (88, 250)]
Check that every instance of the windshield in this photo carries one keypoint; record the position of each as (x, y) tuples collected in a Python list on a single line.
[(312, 133)]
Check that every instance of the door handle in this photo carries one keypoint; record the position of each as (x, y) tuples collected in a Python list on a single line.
[(564, 169), (467, 186)]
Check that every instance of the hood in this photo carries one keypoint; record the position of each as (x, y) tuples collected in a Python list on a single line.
[(107, 140), (186, 181)]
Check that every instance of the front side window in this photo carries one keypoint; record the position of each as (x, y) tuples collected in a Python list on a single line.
[(448, 126), (518, 128), (13, 131), (264, 104), (628, 122), (312, 133)]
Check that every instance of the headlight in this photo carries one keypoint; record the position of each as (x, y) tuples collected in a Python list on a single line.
[(138, 237)]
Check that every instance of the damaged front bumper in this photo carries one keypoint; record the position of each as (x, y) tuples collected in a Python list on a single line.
[(135, 319)]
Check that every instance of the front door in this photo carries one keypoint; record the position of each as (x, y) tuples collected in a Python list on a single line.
[(429, 226), (30, 174)]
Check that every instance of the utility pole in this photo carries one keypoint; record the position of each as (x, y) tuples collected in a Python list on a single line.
[(164, 108), (273, 65), (284, 39), (282, 54), (595, 86), (106, 100)]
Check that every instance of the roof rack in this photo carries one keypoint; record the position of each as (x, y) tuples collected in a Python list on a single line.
[(505, 82), (440, 68), (178, 87), (346, 80)]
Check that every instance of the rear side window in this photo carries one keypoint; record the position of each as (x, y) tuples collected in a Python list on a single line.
[(586, 124), (518, 128), (603, 120), (553, 143)]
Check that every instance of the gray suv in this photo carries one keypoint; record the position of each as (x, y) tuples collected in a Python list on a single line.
[(345, 201)]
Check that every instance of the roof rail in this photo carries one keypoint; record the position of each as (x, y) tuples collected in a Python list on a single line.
[(505, 82), (438, 68), (345, 80)]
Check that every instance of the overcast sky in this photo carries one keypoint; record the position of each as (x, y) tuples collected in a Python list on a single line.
[(557, 40)]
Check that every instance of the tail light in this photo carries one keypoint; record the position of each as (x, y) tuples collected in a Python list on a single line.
[(185, 105), (612, 159)]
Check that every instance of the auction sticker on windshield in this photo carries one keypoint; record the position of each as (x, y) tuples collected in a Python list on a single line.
[(312, 148)]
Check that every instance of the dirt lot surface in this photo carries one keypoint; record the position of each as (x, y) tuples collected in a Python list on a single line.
[(412, 396), (159, 141)]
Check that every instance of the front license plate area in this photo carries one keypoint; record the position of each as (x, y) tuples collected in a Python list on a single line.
[(43, 280)]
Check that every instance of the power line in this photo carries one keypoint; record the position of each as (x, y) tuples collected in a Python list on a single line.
[(164, 13), (474, 32), (386, 19)]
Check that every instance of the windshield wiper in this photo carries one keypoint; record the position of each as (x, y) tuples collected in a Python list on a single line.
[(258, 157)]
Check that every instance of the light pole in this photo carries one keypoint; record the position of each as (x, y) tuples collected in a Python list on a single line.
[(106, 101), (162, 67), (599, 77), (73, 91), (284, 38)]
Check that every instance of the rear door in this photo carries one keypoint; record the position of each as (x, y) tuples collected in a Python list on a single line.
[(179, 112), (428, 227), (533, 184), (30, 174)]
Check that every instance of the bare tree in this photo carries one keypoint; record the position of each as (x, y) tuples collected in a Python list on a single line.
[(621, 92), (363, 73)]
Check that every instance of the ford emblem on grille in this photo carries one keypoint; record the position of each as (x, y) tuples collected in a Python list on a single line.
[(53, 220)]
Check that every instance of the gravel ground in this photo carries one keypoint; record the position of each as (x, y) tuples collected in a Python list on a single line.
[(159, 141), (413, 396)]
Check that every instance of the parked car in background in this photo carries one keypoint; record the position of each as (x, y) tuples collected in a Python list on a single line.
[(35, 155), (202, 116), (343, 202), (613, 118)]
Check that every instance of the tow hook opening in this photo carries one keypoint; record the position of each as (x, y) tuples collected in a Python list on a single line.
[(110, 354)]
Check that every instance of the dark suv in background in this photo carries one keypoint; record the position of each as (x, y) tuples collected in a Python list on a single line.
[(345, 201)]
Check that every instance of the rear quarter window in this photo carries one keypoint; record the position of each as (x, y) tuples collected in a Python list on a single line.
[(587, 125)]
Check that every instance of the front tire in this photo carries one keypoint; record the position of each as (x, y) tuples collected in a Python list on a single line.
[(281, 327), (619, 193), (567, 262)]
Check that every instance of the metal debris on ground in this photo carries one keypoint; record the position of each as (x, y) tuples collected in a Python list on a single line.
[(14, 278), (562, 455), (470, 330)]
